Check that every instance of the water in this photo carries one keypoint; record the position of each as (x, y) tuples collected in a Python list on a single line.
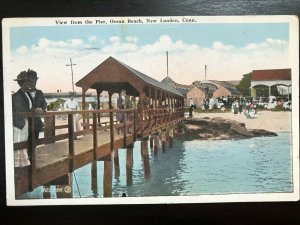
[(257, 165)]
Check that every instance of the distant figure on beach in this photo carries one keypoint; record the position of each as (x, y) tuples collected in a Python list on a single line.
[(73, 105), (191, 108), (235, 107), (240, 107), (39, 103), (21, 102)]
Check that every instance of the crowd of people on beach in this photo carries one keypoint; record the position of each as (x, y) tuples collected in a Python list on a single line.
[(241, 105)]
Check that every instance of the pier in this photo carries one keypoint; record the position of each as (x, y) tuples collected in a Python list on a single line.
[(59, 153)]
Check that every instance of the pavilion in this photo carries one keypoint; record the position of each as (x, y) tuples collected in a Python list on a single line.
[(113, 76), (269, 78)]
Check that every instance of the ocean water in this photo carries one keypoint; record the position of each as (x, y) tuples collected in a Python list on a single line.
[(256, 165)]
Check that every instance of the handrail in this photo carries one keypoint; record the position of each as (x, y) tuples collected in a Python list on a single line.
[(140, 120), (143, 122)]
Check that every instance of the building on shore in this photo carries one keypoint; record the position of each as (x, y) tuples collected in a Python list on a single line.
[(281, 78), (198, 91), (226, 90)]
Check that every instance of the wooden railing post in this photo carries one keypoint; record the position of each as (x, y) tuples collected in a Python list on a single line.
[(31, 151), (71, 141), (95, 144), (49, 128), (111, 119), (125, 128), (134, 125)]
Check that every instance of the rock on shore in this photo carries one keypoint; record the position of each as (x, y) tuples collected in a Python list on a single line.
[(220, 129)]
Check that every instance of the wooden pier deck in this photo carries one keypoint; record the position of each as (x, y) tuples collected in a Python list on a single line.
[(57, 153)]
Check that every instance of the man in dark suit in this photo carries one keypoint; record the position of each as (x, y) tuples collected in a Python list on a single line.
[(38, 101), (21, 100)]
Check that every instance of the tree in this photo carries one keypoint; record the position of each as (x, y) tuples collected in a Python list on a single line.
[(244, 85)]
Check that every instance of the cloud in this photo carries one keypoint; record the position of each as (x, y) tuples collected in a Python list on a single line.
[(22, 49), (92, 38), (276, 41), (186, 60), (54, 48), (133, 39), (218, 45), (115, 39), (269, 42)]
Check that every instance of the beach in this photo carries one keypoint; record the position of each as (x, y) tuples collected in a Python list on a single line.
[(267, 120)]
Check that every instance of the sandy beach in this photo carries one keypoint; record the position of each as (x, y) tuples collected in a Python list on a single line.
[(267, 120)]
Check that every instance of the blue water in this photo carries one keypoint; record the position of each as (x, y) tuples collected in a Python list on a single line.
[(257, 165)]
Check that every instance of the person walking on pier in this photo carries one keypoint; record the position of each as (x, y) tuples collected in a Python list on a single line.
[(72, 105), (120, 116)]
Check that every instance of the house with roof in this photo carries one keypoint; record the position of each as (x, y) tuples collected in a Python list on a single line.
[(226, 90), (281, 78), (199, 90)]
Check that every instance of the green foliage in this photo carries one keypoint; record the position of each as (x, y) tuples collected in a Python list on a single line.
[(244, 85), (55, 105)]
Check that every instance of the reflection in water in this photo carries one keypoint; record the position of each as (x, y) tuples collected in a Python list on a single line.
[(163, 140), (129, 165), (170, 137), (94, 177), (107, 179), (115, 155), (156, 143), (145, 158), (151, 142)]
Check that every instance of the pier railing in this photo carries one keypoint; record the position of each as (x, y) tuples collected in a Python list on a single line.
[(59, 127)]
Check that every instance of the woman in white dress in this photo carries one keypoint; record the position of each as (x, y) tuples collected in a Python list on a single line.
[(21, 102)]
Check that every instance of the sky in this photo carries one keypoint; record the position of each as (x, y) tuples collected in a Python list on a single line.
[(228, 49)]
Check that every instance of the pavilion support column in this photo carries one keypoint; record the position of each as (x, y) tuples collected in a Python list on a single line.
[(155, 98), (98, 104), (110, 100), (169, 101), (150, 96), (160, 99), (269, 92), (111, 121), (83, 105), (253, 92), (172, 100)]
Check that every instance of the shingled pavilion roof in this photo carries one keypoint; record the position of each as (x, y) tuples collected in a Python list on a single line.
[(113, 75)]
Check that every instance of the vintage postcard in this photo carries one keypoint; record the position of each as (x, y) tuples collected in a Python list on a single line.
[(143, 110)]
